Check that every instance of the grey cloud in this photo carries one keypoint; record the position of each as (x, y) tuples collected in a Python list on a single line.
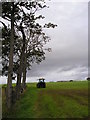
[(69, 42)]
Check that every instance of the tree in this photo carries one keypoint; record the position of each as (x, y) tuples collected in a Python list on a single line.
[(10, 69), (28, 21), (29, 41)]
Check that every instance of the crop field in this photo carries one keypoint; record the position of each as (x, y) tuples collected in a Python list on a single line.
[(57, 100)]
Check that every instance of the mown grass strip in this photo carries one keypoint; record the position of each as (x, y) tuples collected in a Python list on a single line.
[(57, 100), (62, 102), (47, 108), (73, 109)]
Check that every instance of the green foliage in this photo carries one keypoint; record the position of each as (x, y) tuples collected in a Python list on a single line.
[(50, 25), (29, 36), (6, 10)]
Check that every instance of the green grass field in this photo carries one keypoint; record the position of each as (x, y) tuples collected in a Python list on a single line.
[(57, 100)]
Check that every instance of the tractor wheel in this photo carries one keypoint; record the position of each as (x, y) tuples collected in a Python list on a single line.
[(44, 85), (38, 85)]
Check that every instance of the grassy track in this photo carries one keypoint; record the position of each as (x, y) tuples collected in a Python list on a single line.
[(57, 100)]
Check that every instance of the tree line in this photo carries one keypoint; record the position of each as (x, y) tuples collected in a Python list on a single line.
[(23, 41)]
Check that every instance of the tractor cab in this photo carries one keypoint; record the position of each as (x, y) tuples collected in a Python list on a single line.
[(41, 80), (41, 83)]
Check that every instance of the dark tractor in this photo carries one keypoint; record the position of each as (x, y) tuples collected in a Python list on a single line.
[(41, 83)]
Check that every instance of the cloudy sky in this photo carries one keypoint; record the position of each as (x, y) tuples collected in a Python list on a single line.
[(69, 42)]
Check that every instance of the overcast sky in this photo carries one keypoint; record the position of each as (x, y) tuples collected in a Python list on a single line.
[(69, 42)]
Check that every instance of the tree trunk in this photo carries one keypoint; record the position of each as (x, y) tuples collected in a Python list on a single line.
[(10, 70), (19, 76), (24, 79), (24, 57), (18, 85), (24, 73), (22, 68)]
